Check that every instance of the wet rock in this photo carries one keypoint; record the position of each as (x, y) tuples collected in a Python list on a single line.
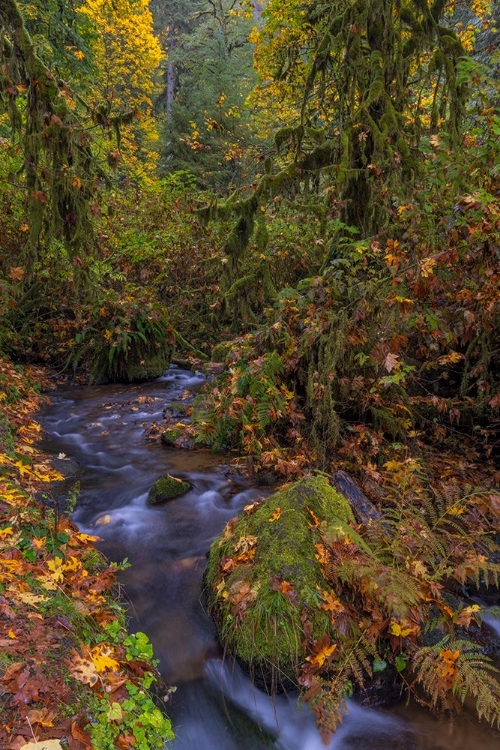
[(167, 488), (171, 435)]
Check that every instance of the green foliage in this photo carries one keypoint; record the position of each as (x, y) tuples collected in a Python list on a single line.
[(60, 172), (124, 339), (208, 129), (138, 714), (62, 36)]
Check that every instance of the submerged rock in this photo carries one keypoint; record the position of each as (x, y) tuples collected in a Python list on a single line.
[(263, 574), (167, 488)]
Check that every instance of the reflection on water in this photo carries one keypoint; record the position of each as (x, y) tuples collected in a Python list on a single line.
[(215, 707)]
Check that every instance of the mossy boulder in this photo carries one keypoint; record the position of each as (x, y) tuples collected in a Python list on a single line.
[(264, 579), (148, 368), (167, 488), (132, 366)]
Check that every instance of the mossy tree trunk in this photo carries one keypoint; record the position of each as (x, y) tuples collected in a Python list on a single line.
[(60, 171)]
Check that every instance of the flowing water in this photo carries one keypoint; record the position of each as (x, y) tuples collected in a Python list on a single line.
[(214, 707)]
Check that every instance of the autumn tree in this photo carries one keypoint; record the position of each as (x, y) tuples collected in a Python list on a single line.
[(63, 37), (127, 55), (390, 145), (370, 78)]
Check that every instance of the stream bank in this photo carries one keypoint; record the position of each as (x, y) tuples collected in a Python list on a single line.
[(214, 706)]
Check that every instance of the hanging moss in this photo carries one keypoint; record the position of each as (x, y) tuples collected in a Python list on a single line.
[(58, 166)]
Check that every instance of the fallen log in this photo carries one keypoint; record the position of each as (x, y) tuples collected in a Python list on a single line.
[(362, 507)]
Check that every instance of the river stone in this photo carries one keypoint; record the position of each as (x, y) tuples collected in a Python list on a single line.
[(265, 547), (172, 435), (167, 488)]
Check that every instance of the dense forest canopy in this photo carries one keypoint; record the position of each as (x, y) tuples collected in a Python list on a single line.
[(302, 197)]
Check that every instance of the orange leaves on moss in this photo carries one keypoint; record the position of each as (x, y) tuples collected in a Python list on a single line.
[(275, 515), (321, 652)]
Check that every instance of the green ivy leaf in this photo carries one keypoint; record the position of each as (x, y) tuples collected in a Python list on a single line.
[(400, 662), (379, 664)]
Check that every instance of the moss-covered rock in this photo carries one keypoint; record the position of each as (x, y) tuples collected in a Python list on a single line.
[(126, 367), (148, 368), (171, 435), (167, 488), (264, 579), (178, 436)]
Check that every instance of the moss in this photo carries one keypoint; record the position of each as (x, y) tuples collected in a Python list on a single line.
[(150, 368), (171, 435), (263, 627), (132, 366), (167, 488)]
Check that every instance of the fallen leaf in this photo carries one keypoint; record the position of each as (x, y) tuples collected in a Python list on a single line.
[(42, 716), (83, 670), (391, 361), (103, 661), (274, 515)]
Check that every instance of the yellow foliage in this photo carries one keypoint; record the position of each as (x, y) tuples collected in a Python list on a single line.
[(101, 656), (127, 57)]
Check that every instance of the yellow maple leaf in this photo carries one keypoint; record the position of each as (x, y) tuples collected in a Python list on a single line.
[(28, 597), (87, 537), (318, 659), (465, 616), (274, 515), (72, 565), (57, 567), (399, 630), (24, 470), (103, 661)]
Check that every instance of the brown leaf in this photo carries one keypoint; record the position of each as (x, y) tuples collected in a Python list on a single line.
[(81, 735), (40, 196), (391, 361), (83, 669)]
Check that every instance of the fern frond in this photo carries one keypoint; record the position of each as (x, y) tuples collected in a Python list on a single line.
[(474, 676)]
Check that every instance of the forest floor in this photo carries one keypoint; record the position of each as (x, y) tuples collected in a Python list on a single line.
[(66, 661)]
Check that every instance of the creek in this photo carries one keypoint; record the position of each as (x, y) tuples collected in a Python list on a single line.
[(100, 431)]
